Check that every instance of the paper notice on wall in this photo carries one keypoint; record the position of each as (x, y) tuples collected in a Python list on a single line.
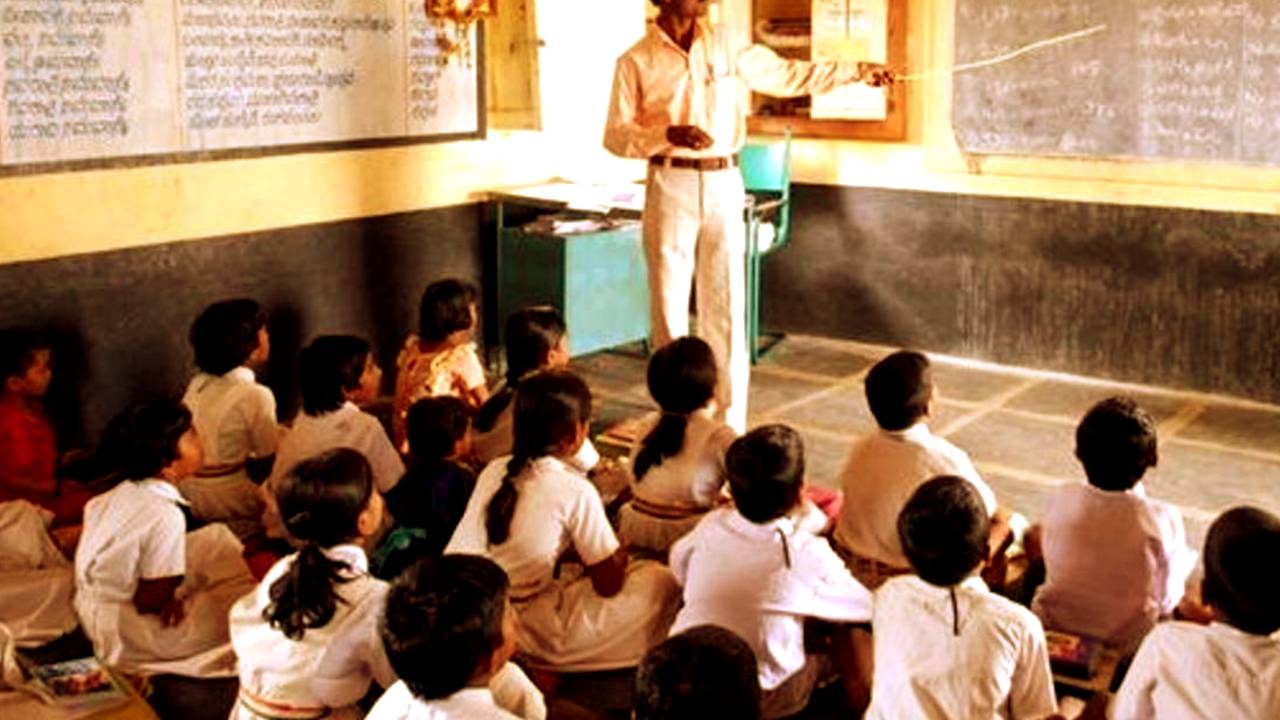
[(850, 31)]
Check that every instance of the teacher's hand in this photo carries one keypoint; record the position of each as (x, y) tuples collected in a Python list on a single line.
[(689, 136), (874, 74)]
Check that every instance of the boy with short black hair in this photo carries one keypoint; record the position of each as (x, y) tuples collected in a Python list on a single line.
[(943, 641), (233, 413), (1230, 668), (1115, 560), (884, 468), (751, 570), (703, 672)]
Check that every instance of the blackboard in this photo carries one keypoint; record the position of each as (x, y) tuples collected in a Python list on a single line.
[(1172, 79), (111, 79)]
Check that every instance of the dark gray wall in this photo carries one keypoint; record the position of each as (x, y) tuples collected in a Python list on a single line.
[(119, 319), (1182, 298)]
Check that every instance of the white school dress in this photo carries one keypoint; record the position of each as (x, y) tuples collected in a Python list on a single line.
[(564, 624), (236, 420), (137, 531), (398, 703), (497, 441), (960, 652), (1114, 563), (1184, 670), (674, 495), (330, 668), (36, 581)]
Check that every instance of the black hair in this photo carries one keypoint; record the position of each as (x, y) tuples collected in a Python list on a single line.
[(549, 408), (1241, 544), (445, 309), (143, 440), (682, 379), (320, 501), (766, 472), (898, 389), (944, 530), (530, 336), (225, 334), (435, 425), (1116, 443), (704, 672), (443, 621), (18, 350), (328, 368)]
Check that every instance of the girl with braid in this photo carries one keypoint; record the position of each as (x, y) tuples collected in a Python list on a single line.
[(581, 604)]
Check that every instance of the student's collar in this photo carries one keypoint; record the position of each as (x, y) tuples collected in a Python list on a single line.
[(550, 462), (243, 374), (473, 695), (701, 31), (740, 524), (352, 555), (917, 432), (973, 583), (164, 489), (1218, 627)]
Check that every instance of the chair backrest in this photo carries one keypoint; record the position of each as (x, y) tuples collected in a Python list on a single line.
[(766, 169)]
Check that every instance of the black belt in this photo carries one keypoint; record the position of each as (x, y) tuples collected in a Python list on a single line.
[(701, 164)]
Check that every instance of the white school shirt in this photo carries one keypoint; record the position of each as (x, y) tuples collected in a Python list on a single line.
[(1184, 670), (1114, 562), (557, 508), (880, 475), (234, 416), (398, 703), (132, 532), (996, 667), (735, 574), (346, 427), (691, 479), (330, 666)]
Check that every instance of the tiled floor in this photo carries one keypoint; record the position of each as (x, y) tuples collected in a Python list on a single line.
[(1018, 425)]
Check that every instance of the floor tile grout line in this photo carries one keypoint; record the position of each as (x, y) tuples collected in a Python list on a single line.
[(785, 372), (1187, 414), (825, 433), (995, 402), (849, 382)]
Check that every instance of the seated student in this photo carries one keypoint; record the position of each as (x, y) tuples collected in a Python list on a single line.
[(1231, 667), (234, 415), (337, 373), (440, 359), (679, 463), (307, 637), (703, 672), (1115, 560), (449, 630), (945, 645), (884, 468), (527, 512), (751, 570), (28, 446), (429, 500), (152, 591)]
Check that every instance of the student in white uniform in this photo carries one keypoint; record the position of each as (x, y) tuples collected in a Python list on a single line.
[(884, 468), (234, 415), (1231, 667), (679, 462), (529, 511), (307, 637), (449, 629), (945, 645), (151, 595), (1115, 560), (751, 570), (337, 374), (703, 672)]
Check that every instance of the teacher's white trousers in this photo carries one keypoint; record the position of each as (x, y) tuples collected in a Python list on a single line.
[(693, 223)]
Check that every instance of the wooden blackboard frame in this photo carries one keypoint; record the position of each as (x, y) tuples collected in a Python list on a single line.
[(118, 162)]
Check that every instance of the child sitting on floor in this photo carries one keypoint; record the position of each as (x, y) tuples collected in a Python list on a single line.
[(1115, 560), (527, 512), (679, 463), (152, 591), (234, 415), (751, 570), (884, 468), (449, 630), (945, 645), (307, 637), (703, 672), (440, 359), (1230, 668)]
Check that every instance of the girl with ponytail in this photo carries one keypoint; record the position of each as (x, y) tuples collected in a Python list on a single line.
[(307, 638), (679, 463), (538, 517)]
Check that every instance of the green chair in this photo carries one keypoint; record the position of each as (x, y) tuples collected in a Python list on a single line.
[(766, 173)]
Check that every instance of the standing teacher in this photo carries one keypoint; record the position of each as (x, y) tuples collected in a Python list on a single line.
[(679, 99)]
